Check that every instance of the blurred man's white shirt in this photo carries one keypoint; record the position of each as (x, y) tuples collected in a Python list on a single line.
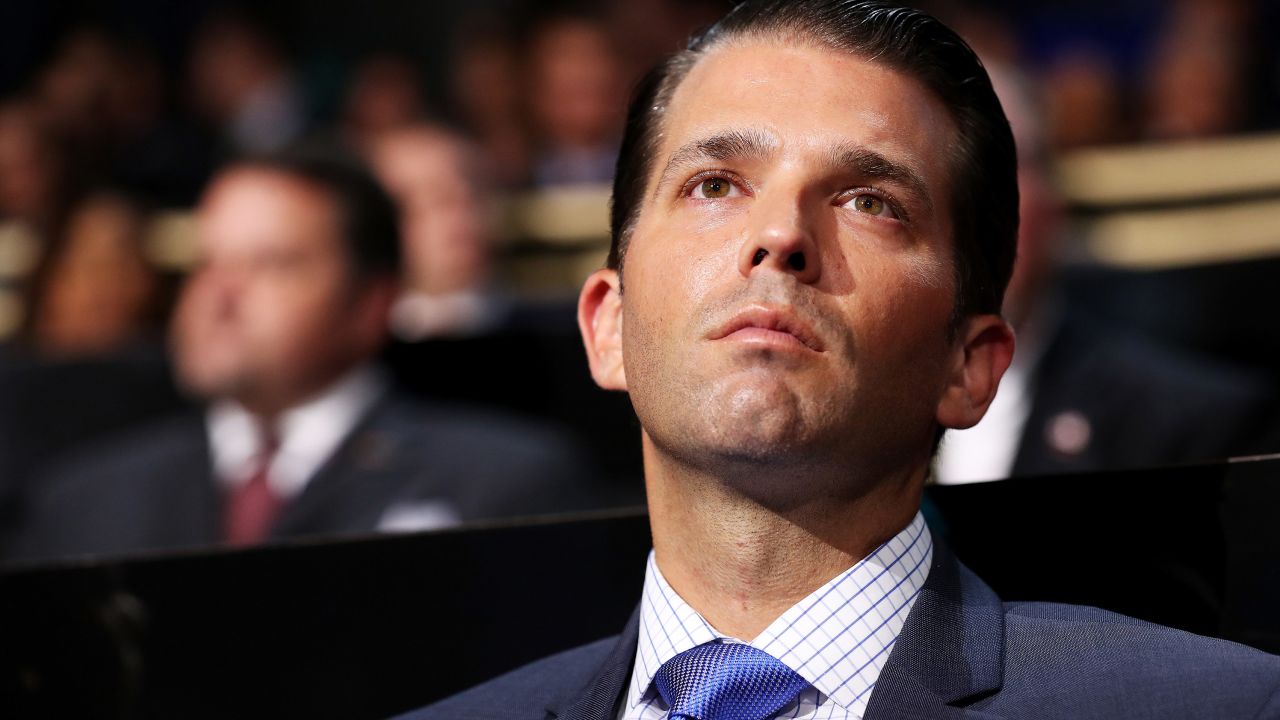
[(309, 434), (418, 316)]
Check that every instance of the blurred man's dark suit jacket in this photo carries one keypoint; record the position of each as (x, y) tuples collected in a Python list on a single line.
[(962, 654), (154, 489), (1141, 406)]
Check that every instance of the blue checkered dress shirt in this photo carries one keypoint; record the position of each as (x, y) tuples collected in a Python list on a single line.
[(838, 638)]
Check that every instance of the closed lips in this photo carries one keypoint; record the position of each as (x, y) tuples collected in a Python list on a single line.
[(772, 321)]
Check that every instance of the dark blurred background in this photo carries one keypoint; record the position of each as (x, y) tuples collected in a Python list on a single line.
[(1151, 206)]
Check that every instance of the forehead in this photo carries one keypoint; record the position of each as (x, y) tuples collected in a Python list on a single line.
[(260, 207), (811, 98)]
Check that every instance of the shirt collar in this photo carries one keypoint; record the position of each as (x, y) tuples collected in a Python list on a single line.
[(838, 637), (309, 433)]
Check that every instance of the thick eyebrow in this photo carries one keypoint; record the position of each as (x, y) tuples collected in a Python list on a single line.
[(855, 159), (721, 147), (867, 163)]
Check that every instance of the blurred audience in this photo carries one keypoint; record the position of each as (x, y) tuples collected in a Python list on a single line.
[(154, 152), (486, 93), (95, 293), (385, 95), (1196, 82), (104, 100), (73, 88), (276, 331), (446, 217), (241, 82), (1080, 397), (33, 177), (654, 29), (1084, 101), (576, 94)]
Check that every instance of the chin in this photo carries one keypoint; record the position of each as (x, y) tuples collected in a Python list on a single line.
[(211, 383), (758, 422)]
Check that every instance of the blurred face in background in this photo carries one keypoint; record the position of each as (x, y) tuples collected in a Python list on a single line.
[(73, 88), (1195, 90), (100, 288), (578, 91), (1083, 101), (445, 240), (384, 96), (29, 165), (229, 62), (274, 312)]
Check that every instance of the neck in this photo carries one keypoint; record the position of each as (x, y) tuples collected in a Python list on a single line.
[(741, 562)]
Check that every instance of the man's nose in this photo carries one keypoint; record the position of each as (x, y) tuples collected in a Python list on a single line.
[(218, 290), (781, 238)]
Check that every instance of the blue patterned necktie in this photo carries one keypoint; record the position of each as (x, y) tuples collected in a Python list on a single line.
[(726, 681)]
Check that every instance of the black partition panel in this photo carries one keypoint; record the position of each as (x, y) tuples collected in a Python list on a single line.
[(1195, 547), (352, 629), (370, 627)]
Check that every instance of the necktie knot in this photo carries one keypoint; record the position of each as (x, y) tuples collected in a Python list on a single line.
[(726, 681)]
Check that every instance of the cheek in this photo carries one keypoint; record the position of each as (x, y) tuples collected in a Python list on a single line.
[(196, 315), (905, 313), (686, 255), (306, 307)]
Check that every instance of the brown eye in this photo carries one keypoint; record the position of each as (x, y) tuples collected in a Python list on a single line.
[(714, 188), (869, 204)]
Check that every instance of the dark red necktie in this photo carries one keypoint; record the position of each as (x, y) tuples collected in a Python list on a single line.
[(252, 508)]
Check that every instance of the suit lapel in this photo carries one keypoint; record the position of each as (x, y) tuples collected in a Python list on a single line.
[(950, 652), (367, 453), (599, 699)]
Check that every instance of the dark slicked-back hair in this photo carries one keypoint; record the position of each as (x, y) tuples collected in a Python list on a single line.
[(369, 225), (983, 178)]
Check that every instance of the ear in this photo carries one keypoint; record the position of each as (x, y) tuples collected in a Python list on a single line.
[(981, 355), (600, 321)]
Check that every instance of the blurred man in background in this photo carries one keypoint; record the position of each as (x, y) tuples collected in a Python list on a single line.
[(1080, 397), (384, 95), (276, 329), (242, 83), (447, 232), (576, 93)]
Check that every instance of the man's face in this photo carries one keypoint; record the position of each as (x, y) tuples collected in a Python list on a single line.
[(272, 313), (789, 280), (442, 215)]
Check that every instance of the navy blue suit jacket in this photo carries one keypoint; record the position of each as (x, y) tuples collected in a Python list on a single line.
[(962, 654)]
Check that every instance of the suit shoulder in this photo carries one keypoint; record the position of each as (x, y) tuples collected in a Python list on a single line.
[(499, 464), (1110, 631), (1133, 366), (1104, 653), (525, 692), (118, 495), (470, 426), (131, 454)]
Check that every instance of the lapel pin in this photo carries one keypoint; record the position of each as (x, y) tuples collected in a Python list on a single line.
[(1069, 432)]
